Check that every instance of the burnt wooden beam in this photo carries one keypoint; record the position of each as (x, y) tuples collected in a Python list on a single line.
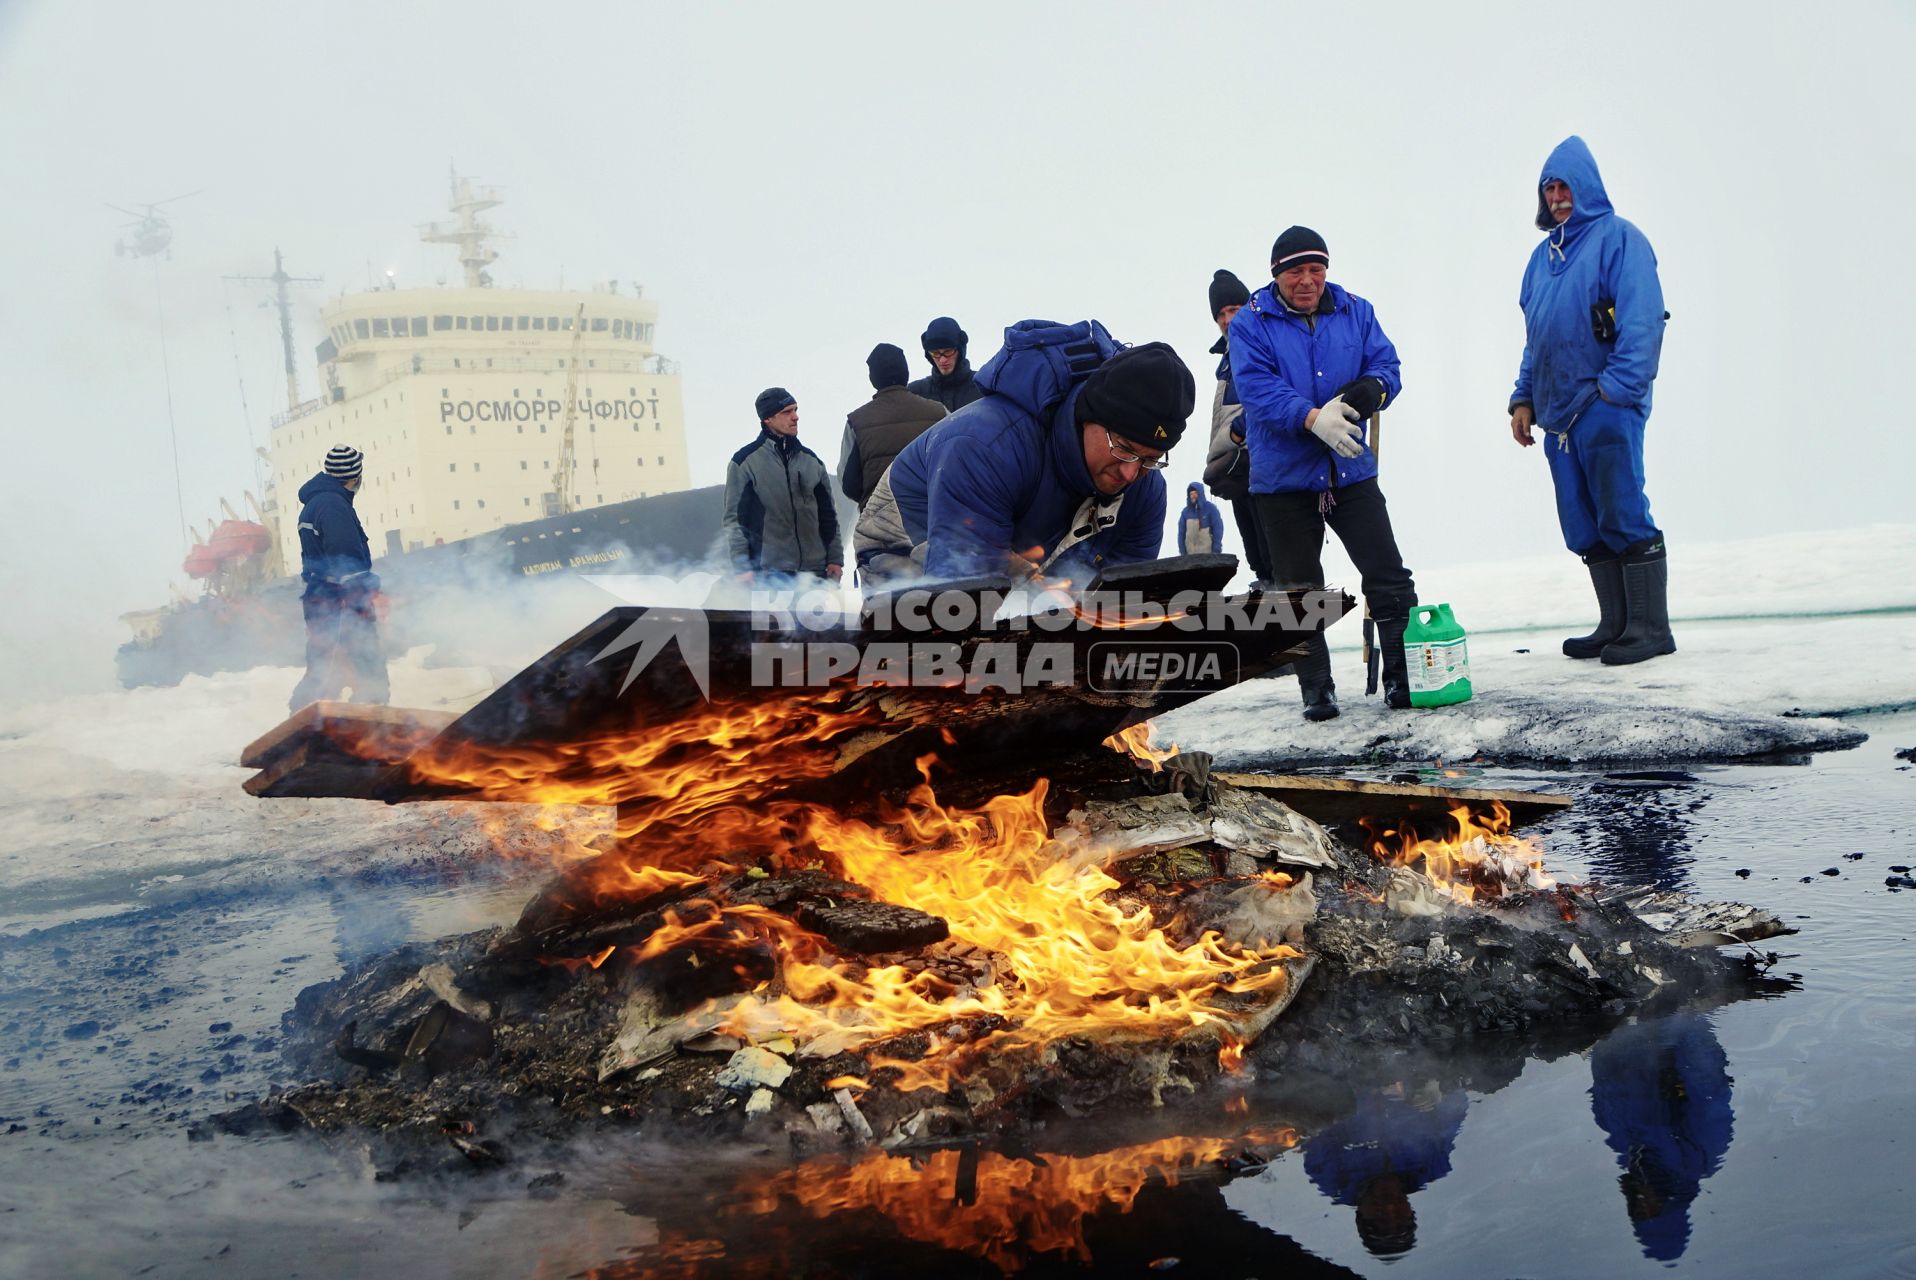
[(1334, 800)]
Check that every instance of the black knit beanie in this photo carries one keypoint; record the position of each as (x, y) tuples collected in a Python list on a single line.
[(1296, 247), (887, 366), (1142, 393), (772, 400), (1227, 291)]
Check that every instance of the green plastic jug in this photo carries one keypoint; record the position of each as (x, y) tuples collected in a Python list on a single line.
[(1438, 657)]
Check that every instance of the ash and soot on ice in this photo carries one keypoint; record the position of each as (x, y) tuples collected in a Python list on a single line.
[(908, 971)]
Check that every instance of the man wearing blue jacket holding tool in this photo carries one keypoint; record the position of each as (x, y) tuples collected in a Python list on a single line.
[(1054, 472), (1593, 332), (1311, 365)]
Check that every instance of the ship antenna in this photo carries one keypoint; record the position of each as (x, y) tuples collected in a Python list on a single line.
[(280, 280), (471, 233)]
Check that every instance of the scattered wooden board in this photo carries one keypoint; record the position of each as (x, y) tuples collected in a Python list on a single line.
[(1334, 800), (336, 748)]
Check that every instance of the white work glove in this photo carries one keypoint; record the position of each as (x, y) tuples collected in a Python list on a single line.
[(1336, 425)]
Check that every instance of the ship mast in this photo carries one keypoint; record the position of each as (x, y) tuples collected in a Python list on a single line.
[(471, 233), (282, 299)]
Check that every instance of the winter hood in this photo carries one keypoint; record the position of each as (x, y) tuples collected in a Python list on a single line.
[(1197, 487), (1573, 165), (323, 483), (1042, 360)]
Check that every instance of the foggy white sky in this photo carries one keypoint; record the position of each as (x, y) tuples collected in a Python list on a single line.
[(795, 183)]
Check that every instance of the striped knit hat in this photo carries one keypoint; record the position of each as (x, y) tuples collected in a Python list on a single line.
[(343, 462)]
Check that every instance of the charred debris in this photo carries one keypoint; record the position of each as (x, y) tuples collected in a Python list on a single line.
[(896, 919)]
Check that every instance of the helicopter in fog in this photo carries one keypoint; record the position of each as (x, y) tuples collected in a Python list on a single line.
[(149, 234)]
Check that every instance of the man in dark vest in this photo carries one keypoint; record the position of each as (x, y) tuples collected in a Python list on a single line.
[(340, 601), (950, 383), (878, 429)]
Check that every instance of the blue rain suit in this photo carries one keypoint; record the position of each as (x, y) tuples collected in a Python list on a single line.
[(1590, 392)]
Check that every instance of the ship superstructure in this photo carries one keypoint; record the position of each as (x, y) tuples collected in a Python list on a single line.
[(472, 403)]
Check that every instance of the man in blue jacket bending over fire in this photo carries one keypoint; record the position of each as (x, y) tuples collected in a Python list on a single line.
[(1054, 471)]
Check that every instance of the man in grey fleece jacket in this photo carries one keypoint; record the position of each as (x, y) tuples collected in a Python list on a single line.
[(779, 518)]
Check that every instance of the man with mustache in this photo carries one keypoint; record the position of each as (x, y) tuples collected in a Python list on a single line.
[(1593, 332)]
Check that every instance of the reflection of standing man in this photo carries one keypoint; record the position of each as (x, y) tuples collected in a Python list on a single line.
[(1396, 1143), (1593, 333), (1660, 1091), (340, 600)]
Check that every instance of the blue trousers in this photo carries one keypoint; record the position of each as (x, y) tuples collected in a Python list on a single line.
[(1599, 479)]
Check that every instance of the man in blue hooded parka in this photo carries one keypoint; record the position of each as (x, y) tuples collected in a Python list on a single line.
[(1593, 332), (1055, 470)]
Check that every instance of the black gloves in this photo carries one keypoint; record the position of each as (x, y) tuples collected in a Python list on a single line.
[(1366, 395)]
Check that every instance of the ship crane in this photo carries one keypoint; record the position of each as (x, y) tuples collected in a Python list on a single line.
[(568, 457)]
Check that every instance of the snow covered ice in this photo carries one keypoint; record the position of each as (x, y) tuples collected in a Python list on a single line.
[(1776, 636)]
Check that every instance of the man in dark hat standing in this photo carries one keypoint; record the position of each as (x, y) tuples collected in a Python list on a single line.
[(950, 382), (1056, 471), (879, 428), (779, 519), (341, 597), (1227, 467), (1311, 365)]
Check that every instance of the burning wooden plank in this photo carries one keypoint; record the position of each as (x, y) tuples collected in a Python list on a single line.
[(337, 748), (995, 689)]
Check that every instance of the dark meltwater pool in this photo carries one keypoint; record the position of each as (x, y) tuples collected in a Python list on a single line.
[(1771, 1136)]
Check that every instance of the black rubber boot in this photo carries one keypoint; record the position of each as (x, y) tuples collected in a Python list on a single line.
[(1646, 630), (1395, 670), (1606, 575), (1314, 680)]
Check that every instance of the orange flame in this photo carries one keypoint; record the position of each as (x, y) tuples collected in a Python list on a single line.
[(1478, 857), (1134, 740), (1007, 1211), (1064, 958)]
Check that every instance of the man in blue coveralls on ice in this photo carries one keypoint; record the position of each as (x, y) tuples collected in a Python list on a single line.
[(1593, 331)]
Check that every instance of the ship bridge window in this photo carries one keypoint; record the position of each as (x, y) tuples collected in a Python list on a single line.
[(478, 322), (598, 324), (380, 328), (552, 322), (525, 322), (419, 326), (459, 322), (442, 322), (492, 324), (361, 328), (538, 322)]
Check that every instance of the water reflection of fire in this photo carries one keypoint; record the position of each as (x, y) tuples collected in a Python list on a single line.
[(1477, 857), (1066, 957), (1009, 1211)]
